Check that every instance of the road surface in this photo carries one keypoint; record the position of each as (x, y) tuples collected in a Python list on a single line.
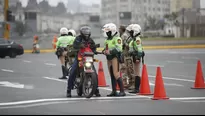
[(29, 85)]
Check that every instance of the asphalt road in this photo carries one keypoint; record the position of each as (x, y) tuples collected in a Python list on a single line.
[(43, 93)]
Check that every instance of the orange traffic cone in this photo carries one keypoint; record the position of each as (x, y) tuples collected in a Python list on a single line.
[(145, 87), (101, 76), (117, 86), (199, 81), (159, 91)]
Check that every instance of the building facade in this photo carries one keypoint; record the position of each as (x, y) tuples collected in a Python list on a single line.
[(133, 11), (177, 5)]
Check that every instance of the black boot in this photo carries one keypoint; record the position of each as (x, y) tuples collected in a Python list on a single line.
[(137, 85), (97, 93), (120, 83), (69, 93), (64, 71), (113, 81)]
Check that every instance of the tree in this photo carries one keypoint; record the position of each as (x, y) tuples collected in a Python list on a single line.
[(20, 28), (154, 24), (172, 18), (61, 8), (44, 6)]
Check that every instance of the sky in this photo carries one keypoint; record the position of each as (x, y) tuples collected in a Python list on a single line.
[(54, 2), (202, 3)]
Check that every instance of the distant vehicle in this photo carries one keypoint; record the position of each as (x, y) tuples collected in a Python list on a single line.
[(10, 48)]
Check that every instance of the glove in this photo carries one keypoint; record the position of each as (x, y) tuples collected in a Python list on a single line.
[(82, 46)]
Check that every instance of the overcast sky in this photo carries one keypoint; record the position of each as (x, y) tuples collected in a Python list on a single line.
[(203, 3), (54, 2)]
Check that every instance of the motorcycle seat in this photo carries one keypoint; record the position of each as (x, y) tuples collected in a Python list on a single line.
[(88, 54)]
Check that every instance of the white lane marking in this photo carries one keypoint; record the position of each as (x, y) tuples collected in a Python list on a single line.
[(167, 84), (50, 64), (103, 88), (15, 85), (69, 99), (155, 65), (175, 62), (186, 52), (6, 70), (26, 61), (188, 98), (176, 79), (185, 76), (37, 104), (190, 58), (194, 101)]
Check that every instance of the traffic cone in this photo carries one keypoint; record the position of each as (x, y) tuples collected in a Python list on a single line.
[(199, 81), (117, 86), (101, 76), (145, 87), (159, 91)]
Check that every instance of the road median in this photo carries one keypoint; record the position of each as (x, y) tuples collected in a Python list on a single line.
[(145, 48)]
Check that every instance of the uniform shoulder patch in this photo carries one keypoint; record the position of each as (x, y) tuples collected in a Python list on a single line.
[(119, 41), (138, 42)]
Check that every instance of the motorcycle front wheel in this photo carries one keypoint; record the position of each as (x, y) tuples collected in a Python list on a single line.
[(89, 85)]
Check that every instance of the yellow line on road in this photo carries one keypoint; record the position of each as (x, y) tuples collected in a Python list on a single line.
[(145, 47)]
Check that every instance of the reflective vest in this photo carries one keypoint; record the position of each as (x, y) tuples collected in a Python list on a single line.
[(114, 44), (136, 45), (64, 41)]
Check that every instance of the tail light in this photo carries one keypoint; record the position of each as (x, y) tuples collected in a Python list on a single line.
[(20, 46)]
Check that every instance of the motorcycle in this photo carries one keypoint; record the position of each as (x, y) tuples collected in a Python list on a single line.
[(86, 78)]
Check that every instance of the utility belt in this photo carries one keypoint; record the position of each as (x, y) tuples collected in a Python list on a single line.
[(60, 50), (119, 56), (138, 56)]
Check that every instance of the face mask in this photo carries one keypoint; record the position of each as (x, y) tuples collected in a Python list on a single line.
[(109, 34)]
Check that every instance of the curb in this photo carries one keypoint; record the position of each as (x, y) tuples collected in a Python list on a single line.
[(145, 48)]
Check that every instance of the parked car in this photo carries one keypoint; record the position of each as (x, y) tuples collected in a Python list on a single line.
[(10, 48)]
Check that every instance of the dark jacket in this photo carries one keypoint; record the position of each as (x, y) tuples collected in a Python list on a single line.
[(80, 40)]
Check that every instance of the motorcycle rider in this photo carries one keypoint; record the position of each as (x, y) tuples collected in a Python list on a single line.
[(136, 51), (63, 41), (113, 50), (84, 37)]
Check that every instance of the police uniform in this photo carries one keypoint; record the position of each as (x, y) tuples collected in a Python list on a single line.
[(114, 46), (61, 51), (136, 51)]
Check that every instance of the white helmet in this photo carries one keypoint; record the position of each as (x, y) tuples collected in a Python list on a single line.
[(135, 28), (73, 32), (110, 27), (104, 30), (63, 31)]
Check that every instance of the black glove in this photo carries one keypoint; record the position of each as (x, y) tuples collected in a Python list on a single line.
[(82, 46)]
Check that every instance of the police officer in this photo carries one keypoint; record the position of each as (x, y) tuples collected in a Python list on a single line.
[(113, 50), (61, 45), (136, 51), (84, 37), (124, 69)]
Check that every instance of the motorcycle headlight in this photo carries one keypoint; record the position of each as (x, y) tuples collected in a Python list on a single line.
[(88, 64)]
